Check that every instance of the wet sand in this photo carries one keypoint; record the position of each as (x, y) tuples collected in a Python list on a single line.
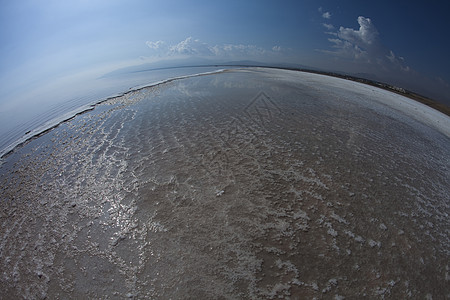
[(246, 184)]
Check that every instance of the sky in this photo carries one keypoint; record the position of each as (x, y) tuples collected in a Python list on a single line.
[(51, 42)]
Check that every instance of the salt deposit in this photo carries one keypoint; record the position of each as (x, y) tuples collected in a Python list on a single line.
[(258, 183)]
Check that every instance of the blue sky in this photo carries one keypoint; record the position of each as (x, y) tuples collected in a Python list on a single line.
[(401, 42)]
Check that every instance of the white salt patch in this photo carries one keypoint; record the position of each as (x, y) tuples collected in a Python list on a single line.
[(407, 106), (373, 243), (274, 250), (320, 220), (297, 282), (156, 227), (288, 266), (304, 227), (332, 232), (338, 218), (300, 214), (349, 233), (359, 239), (278, 288), (380, 291)]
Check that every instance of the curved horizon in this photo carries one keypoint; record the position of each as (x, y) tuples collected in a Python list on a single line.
[(49, 44), (24, 132)]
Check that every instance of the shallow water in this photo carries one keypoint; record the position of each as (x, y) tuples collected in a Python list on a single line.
[(245, 184), (27, 113)]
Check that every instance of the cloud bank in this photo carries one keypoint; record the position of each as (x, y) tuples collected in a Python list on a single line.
[(363, 45), (361, 51), (191, 47)]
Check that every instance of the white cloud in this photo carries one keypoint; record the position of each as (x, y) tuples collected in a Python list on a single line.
[(391, 56), (364, 45), (361, 51), (366, 34), (158, 48), (397, 61), (276, 48), (155, 45), (191, 47), (347, 49), (326, 15), (328, 26)]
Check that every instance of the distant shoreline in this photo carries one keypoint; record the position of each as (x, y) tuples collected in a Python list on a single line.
[(33, 134), (391, 88), (398, 90)]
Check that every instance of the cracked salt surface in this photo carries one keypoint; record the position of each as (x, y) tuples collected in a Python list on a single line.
[(246, 184)]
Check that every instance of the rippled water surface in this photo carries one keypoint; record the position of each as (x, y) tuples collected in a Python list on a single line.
[(244, 184), (32, 112)]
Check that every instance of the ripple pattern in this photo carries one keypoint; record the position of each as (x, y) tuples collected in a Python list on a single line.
[(245, 184)]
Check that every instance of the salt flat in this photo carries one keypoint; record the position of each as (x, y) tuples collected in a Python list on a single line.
[(255, 183)]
